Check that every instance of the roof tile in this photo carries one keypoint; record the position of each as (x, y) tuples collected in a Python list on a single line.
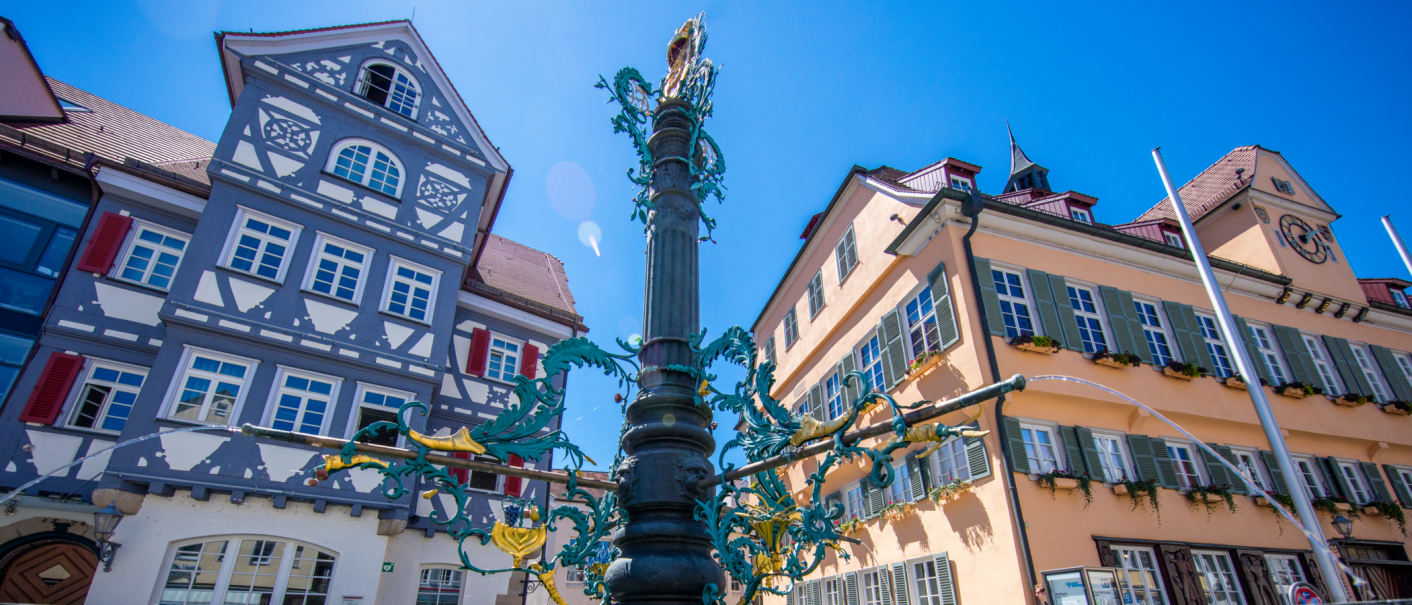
[(524, 271)]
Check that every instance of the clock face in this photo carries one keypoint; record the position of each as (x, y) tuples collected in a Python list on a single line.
[(1303, 238)]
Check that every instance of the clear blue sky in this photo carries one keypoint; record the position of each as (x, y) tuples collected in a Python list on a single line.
[(808, 89)]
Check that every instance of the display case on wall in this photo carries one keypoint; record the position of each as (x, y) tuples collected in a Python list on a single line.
[(1083, 586)]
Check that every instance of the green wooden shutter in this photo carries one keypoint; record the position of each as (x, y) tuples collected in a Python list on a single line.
[(1218, 472), (1347, 365), (899, 583), (832, 499), (816, 401), (944, 579), (1065, 310), (1164, 464), (815, 594), (887, 370), (1401, 388), (884, 584), (1238, 485), (850, 586), (945, 312), (1249, 339), (1122, 320), (1277, 474), (1092, 459), (1335, 477), (1073, 451), (989, 302), (1404, 495), (893, 348), (1297, 357), (1044, 303), (852, 389), (1141, 448), (1203, 354), (1018, 458), (876, 498), (1375, 479), (1187, 333), (914, 476), (976, 457)]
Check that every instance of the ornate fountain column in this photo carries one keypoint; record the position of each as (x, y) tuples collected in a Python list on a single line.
[(666, 553)]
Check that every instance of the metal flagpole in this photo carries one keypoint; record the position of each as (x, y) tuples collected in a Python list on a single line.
[(1332, 578), (1397, 241)]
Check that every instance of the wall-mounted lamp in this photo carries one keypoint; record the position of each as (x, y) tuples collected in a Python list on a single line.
[(1344, 525), (105, 522)]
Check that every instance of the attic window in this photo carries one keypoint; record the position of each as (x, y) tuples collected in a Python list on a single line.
[(1172, 239), (1283, 186), (390, 87), (72, 107), (1400, 298), (960, 183), (1081, 215)]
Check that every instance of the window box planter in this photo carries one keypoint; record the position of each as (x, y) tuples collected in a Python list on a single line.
[(1400, 408), (1177, 375), (1236, 383), (1372, 510), (1036, 344), (923, 364), (1205, 497), (1184, 371), (1343, 506), (1263, 501), (1120, 489), (1065, 483), (1351, 400), (1298, 390), (1116, 360)]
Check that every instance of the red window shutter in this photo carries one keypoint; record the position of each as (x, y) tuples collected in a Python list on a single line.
[(529, 362), (104, 243), (480, 352), (462, 475), (512, 484), (53, 386)]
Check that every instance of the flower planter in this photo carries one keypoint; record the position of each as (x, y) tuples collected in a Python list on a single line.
[(1110, 362), (1235, 383), (1263, 501), (1033, 348), (1065, 483), (927, 366), (1372, 510), (1206, 498), (1343, 506), (1296, 393), (1352, 404), (1120, 489), (1176, 374), (1397, 410)]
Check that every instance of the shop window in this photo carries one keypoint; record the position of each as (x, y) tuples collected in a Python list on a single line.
[(248, 570)]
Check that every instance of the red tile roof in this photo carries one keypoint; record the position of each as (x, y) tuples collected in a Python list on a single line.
[(115, 133), (1214, 185), (523, 271)]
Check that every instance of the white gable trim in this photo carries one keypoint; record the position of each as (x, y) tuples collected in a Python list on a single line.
[(153, 194)]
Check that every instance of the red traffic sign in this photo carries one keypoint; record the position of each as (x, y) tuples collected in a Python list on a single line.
[(1303, 594)]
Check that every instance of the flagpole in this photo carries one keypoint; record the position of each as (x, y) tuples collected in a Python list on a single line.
[(1314, 530), (1397, 241)]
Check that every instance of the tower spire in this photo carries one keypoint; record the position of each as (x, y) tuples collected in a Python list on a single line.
[(1024, 174), (1018, 160)]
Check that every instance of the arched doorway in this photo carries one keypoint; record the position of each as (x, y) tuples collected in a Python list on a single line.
[(47, 569)]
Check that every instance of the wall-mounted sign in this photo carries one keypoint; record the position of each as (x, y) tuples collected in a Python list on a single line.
[(387, 567), (1303, 594)]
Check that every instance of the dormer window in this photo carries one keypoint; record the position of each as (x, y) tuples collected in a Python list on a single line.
[(1283, 186), (1081, 215), (1173, 239), (960, 183), (367, 164), (389, 86), (1399, 297)]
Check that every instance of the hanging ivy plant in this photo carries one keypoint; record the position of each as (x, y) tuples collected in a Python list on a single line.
[(1329, 504), (1139, 490), (1393, 511), (1085, 483), (1285, 501), (1201, 495)]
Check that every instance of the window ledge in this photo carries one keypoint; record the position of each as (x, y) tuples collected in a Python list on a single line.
[(95, 432), (189, 422), (419, 322), (376, 192), (355, 305), (137, 284), (276, 282)]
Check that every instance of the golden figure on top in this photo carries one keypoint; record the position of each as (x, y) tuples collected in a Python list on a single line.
[(680, 58)]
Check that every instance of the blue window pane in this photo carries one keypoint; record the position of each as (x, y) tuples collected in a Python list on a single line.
[(42, 204), (374, 398), (206, 365), (295, 382), (18, 237), (150, 236), (315, 405), (23, 292), (231, 369), (105, 374), (322, 388), (13, 348), (52, 261)]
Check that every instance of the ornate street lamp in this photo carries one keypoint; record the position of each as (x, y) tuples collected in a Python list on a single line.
[(105, 522), (1344, 525)]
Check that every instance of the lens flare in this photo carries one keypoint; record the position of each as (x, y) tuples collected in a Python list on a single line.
[(590, 235)]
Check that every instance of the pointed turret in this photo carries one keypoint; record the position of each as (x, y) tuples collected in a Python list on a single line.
[(1024, 174)]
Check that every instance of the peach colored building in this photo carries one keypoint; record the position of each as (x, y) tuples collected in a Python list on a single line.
[(891, 270)]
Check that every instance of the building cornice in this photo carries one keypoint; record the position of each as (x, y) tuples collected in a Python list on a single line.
[(513, 315), (148, 192)]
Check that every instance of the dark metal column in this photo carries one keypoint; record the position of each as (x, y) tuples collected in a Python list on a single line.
[(666, 553)]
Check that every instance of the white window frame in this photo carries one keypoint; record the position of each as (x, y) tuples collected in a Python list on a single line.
[(1285, 571), (815, 292), (74, 399), (502, 352), (365, 181), (277, 390), (952, 458), (846, 253), (1404, 362), (1363, 356), (1399, 298), (1120, 555), (1081, 215), (919, 581), (1248, 459), (1357, 482), (864, 597), (901, 489), (962, 183), (1162, 328), (317, 255), (1084, 316), (1267, 347), (1230, 591), (1184, 480), (834, 404), (131, 241), (1328, 374), (360, 86), (1105, 455), (169, 402), (923, 298), (391, 278), (791, 327), (873, 370), (499, 479), (360, 389), (1215, 345), (1172, 239), (1405, 473), (1301, 462), (1031, 312), (460, 591), (231, 557), (1056, 443), (769, 352), (237, 228), (853, 508), (832, 589)]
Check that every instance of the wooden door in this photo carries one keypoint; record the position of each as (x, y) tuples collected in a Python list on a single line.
[(53, 573)]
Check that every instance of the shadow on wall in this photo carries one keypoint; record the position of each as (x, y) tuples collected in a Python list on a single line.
[(970, 520), (943, 382)]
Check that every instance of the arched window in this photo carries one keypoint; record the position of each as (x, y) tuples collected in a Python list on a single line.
[(389, 86), (367, 164), (247, 569)]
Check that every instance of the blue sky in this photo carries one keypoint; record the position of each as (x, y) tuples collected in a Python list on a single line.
[(809, 89)]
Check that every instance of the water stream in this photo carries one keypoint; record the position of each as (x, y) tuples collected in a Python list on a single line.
[(1249, 482)]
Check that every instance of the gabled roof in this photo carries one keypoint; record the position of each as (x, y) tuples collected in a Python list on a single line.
[(26, 96), (1205, 191), (116, 133), (523, 271)]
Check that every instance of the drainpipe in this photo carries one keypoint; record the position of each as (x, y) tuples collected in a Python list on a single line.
[(971, 208)]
